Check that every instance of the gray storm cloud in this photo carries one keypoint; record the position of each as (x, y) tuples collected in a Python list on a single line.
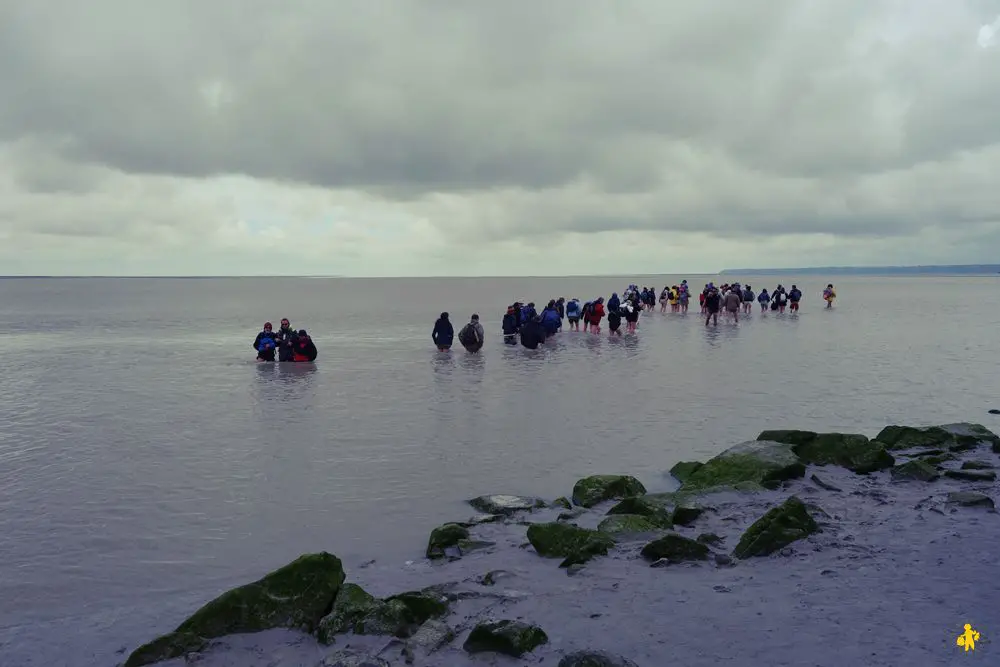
[(487, 122)]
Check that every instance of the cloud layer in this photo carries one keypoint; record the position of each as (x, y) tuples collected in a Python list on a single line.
[(447, 138)]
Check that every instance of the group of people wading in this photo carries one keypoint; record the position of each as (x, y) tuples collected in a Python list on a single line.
[(523, 322), (286, 342)]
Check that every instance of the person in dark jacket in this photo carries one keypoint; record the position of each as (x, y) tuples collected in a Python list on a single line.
[(532, 333), (266, 343), (443, 334), (510, 326), (713, 302), (303, 349), (286, 340), (472, 336), (614, 303), (528, 312), (615, 322), (561, 309)]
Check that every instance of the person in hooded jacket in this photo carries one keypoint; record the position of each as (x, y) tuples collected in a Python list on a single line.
[(614, 303), (472, 336), (763, 299), (444, 333), (532, 333), (573, 314), (794, 296), (510, 327), (266, 343), (528, 312), (303, 349), (561, 309), (550, 319), (615, 322), (748, 299), (631, 311)]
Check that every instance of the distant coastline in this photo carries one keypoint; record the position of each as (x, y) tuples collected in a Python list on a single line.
[(931, 270)]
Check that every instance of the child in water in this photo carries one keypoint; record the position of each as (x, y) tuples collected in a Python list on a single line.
[(829, 294)]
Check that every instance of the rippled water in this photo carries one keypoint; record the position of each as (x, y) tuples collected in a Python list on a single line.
[(145, 458)]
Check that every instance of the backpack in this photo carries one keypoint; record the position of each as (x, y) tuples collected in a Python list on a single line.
[(467, 336), (266, 344), (588, 308), (573, 309)]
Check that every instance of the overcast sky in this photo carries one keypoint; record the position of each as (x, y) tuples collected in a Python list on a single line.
[(444, 137)]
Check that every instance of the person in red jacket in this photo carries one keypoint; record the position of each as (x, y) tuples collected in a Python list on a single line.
[(596, 315)]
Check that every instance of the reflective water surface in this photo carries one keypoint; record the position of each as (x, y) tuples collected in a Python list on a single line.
[(145, 458)]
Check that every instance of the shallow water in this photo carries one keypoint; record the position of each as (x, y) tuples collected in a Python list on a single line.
[(146, 461)]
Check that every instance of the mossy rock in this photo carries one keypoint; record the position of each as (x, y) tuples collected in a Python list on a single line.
[(849, 450), (594, 659), (977, 465), (709, 538), (684, 469), (511, 638), (574, 544), (506, 505), (970, 499), (778, 528), (956, 437), (675, 548), (296, 596), (595, 489), (348, 658), (401, 615), (750, 465), (353, 603), (562, 502), (685, 516), (788, 436), (918, 471), (444, 537), (657, 511), (627, 523)]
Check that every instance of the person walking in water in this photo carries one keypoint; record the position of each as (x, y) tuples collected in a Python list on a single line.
[(829, 294), (713, 301), (573, 314), (748, 299), (472, 336), (443, 334), (794, 296), (733, 303), (763, 299), (510, 326), (596, 315), (265, 343)]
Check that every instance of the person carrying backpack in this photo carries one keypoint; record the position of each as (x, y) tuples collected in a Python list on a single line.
[(573, 314), (265, 343), (472, 336)]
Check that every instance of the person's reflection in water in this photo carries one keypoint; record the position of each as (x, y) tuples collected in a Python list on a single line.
[(474, 367)]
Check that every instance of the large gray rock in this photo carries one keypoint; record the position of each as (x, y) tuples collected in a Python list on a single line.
[(970, 499), (432, 635), (595, 659), (914, 471), (972, 475), (506, 505), (296, 596), (675, 548), (956, 437), (574, 544)]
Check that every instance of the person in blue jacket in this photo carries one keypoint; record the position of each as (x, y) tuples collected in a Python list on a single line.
[(550, 319), (528, 313), (614, 303), (763, 299), (266, 343), (443, 334), (573, 314)]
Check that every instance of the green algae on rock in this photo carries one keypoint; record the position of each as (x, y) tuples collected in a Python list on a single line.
[(685, 516), (595, 489), (296, 596), (750, 465), (627, 523), (915, 470), (563, 502), (683, 469), (352, 659), (977, 465), (658, 510), (511, 638), (778, 528), (443, 537), (357, 611), (849, 450), (675, 548), (576, 545), (788, 436)]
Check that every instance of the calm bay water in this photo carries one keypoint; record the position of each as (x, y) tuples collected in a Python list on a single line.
[(146, 460)]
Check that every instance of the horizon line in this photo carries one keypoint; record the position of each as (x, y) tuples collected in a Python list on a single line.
[(581, 275)]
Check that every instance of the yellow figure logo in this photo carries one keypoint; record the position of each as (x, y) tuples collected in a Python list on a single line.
[(968, 638)]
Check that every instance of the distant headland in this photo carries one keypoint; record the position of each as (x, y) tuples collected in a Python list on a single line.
[(936, 270)]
